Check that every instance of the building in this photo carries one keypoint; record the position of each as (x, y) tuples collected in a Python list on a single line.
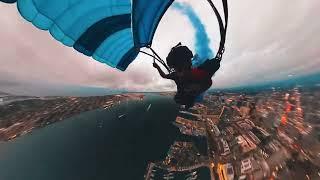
[(262, 134), (189, 127), (202, 109), (255, 139), (189, 115), (225, 171), (245, 143), (246, 166), (215, 130), (225, 147), (244, 125), (244, 111), (285, 138)]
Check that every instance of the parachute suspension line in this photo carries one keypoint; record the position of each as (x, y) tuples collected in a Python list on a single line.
[(160, 60), (148, 54), (155, 57), (223, 28)]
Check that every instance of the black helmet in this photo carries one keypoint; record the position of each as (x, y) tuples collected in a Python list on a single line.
[(179, 57)]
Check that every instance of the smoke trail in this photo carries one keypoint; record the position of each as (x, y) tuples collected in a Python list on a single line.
[(202, 39)]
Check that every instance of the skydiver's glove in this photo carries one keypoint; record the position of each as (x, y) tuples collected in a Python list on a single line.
[(155, 65)]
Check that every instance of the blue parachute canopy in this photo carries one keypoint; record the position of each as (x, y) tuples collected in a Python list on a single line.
[(146, 17), (111, 31)]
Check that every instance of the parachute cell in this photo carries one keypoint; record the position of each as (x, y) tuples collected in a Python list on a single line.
[(111, 31), (146, 17)]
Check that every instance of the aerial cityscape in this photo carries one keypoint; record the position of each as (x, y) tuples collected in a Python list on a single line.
[(159, 90), (272, 134), (267, 135)]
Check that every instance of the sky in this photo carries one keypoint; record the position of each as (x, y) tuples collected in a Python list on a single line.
[(266, 41)]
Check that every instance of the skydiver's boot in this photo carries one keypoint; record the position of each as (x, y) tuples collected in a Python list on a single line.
[(182, 107), (188, 106)]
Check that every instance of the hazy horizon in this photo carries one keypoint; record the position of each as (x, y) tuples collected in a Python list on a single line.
[(312, 80)]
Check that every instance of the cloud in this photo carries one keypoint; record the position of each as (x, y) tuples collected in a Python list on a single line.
[(266, 40), (202, 40), (270, 41)]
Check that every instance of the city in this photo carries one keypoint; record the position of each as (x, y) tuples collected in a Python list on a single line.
[(271, 134), (267, 135), (21, 115)]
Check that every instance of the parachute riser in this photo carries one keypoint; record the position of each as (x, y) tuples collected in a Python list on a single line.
[(223, 28)]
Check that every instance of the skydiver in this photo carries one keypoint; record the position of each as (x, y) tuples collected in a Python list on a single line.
[(191, 82)]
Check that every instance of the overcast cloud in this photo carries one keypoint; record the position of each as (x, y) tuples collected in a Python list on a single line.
[(267, 40)]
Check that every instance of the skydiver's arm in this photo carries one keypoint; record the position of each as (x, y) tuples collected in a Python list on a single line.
[(162, 74)]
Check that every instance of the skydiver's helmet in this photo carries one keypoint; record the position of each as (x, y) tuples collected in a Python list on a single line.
[(180, 58)]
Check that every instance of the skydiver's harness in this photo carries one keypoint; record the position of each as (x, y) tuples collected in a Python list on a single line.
[(223, 30)]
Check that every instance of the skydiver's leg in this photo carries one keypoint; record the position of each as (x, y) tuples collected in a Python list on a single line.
[(186, 100), (195, 90), (189, 100), (198, 88), (178, 98)]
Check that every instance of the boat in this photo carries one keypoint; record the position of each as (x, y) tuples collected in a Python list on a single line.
[(148, 108)]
